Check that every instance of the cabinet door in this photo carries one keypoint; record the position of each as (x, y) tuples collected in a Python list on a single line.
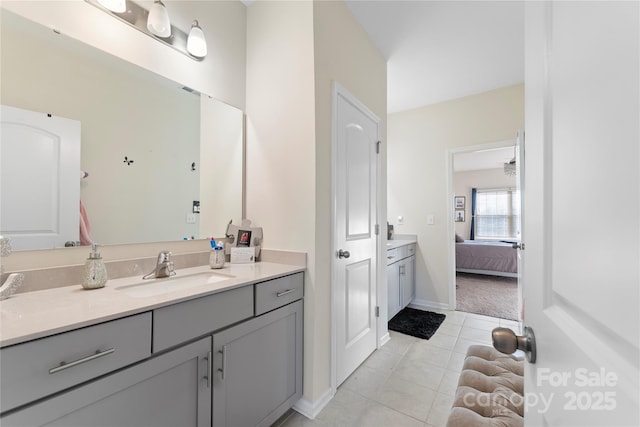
[(393, 289), (408, 280), (258, 368), (168, 390)]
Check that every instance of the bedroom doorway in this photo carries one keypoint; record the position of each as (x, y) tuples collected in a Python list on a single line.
[(486, 193)]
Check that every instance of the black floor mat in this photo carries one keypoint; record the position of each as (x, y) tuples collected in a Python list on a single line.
[(417, 323)]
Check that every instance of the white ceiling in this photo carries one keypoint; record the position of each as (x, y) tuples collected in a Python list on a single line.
[(442, 50)]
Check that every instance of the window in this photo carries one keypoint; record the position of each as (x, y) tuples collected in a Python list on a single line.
[(498, 213)]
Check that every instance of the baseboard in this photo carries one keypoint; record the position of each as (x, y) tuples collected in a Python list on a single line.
[(384, 339), (311, 408), (429, 305)]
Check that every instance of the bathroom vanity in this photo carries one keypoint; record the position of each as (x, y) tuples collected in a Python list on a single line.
[(401, 274), (219, 348)]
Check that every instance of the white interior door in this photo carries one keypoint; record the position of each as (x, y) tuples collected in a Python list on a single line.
[(355, 242), (582, 273), (40, 179)]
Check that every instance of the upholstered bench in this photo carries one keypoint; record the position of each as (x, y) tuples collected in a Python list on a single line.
[(490, 390)]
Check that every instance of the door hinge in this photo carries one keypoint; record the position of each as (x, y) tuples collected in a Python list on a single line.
[(378, 146), (377, 229), (377, 311)]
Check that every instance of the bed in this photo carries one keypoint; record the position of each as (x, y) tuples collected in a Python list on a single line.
[(487, 257)]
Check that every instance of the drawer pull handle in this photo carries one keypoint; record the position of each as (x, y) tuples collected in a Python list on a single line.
[(65, 365), (283, 293)]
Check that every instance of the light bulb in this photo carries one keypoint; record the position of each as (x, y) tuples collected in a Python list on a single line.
[(158, 22), (196, 43)]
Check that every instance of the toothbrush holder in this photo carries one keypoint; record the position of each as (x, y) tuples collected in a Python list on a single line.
[(217, 258)]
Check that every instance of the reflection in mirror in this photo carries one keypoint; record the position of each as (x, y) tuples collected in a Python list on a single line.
[(148, 149)]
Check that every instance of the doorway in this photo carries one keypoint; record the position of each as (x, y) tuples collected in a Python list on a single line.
[(485, 190)]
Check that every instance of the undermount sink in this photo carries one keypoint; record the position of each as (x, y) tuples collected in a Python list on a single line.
[(153, 287)]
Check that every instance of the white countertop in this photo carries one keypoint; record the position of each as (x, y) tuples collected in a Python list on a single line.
[(392, 244), (31, 315)]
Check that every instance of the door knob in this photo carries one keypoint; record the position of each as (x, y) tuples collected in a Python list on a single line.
[(343, 254), (506, 341)]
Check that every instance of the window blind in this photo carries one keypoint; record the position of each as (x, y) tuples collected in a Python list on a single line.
[(498, 213)]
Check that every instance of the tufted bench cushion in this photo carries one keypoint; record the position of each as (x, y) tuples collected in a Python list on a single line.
[(490, 390)]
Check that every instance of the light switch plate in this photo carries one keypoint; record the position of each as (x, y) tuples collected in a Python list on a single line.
[(191, 218), (430, 220)]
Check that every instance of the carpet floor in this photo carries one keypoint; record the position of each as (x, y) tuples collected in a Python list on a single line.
[(417, 323), (488, 295)]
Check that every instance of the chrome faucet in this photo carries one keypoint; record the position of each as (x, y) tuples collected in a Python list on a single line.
[(164, 266)]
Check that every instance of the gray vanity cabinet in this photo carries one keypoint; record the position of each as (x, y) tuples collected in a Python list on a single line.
[(401, 277), (258, 367), (393, 289), (407, 273), (172, 389), (231, 359)]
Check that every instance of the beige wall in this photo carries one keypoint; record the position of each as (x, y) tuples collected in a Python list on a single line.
[(419, 141), (280, 174), (464, 181), (360, 68), (295, 50)]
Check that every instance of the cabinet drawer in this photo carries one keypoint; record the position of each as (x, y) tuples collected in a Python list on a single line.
[(392, 255), (278, 292), (181, 322), (400, 252), (39, 368)]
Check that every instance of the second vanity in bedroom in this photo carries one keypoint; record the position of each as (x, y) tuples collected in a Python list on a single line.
[(225, 352), (401, 274)]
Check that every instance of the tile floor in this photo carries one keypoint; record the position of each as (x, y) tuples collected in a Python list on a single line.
[(409, 381)]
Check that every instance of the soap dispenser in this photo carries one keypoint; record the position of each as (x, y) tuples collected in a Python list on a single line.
[(95, 272)]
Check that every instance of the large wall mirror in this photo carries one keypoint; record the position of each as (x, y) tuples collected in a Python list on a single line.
[(150, 146)]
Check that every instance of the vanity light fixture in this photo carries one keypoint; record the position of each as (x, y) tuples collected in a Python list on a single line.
[(156, 24), (118, 6), (196, 43)]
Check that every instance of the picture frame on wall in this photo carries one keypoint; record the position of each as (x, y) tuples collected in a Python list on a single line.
[(458, 202), (459, 216)]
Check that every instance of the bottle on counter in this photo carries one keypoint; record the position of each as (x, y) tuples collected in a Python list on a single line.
[(94, 275)]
